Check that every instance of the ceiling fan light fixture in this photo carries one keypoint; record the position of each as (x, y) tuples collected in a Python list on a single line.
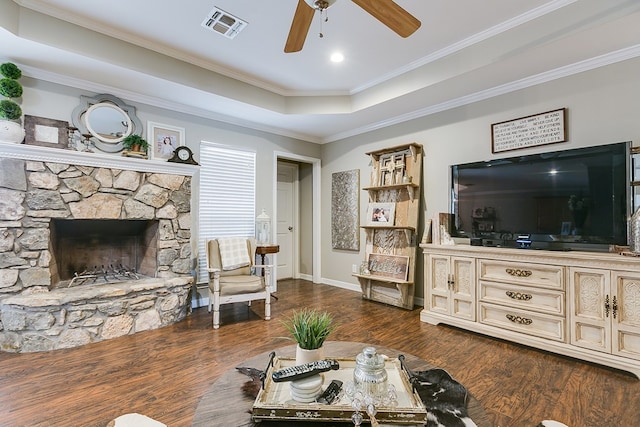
[(320, 4)]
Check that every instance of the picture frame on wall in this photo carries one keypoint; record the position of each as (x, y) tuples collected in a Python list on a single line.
[(529, 131), (46, 132), (381, 214), (163, 140)]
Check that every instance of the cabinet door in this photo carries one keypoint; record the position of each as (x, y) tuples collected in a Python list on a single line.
[(589, 319), (463, 288), (626, 314), (438, 284)]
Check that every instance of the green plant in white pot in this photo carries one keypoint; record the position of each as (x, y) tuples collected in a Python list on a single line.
[(309, 328), (11, 129)]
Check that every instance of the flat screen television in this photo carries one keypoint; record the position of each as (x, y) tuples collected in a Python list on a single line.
[(573, 199)]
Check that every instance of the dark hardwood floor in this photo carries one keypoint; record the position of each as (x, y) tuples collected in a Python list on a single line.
[(164, 373)]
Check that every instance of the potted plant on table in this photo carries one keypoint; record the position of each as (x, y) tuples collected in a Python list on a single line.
[(11, 129), (135, 144), (309, 328)]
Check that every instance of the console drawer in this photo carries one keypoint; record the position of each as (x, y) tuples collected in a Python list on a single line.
[(528, 298), (527, 322), (546, 276)]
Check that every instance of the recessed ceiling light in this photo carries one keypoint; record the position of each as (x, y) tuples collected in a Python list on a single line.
[(337, 57)]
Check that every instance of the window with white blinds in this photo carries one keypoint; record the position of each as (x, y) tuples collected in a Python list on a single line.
[(227, 196)]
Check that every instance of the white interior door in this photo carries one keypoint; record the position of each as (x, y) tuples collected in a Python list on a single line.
[(287, 226)]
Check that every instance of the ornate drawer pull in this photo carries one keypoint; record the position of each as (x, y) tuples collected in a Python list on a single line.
[(519, 296), (518, 273), (520, 320)]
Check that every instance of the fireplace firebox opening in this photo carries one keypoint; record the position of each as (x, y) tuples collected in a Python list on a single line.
[(83, 246)]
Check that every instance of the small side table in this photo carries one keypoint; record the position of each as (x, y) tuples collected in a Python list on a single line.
[(263, 250)]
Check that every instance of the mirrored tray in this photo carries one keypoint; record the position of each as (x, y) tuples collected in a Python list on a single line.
[(274, 400)]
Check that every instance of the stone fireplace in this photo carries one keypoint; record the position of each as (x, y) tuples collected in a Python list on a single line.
[(90, 248)]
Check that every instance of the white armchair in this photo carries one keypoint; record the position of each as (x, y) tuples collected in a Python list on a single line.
[(230, 263)]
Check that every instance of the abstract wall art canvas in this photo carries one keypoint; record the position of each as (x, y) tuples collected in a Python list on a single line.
[(345, 210)]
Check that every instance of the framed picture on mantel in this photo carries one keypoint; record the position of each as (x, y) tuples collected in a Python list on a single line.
[(45, 132), (163, 140)]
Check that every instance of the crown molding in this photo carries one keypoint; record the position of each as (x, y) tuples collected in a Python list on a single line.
[(547, 76)]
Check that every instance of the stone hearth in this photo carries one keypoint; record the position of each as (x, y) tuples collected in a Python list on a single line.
[(34, 315)]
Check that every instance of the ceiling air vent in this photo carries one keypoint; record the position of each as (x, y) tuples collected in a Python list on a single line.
[(223, 23)]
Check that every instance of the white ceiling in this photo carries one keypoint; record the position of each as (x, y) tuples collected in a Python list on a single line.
[(465, 50)]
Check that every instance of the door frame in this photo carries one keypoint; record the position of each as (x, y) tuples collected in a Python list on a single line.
[(295, 196), (315, 234)]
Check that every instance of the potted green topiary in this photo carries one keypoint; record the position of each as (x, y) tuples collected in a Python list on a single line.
[(11, 129), (135, 144), (309, 328)]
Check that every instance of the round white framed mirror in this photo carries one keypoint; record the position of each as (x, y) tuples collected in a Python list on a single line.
[(107, 119), (108, 122)]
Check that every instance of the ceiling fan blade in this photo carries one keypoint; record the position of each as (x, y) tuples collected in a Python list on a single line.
[(299, 27), (391, 15)]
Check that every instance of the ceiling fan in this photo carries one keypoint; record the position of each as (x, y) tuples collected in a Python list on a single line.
[(385, 11)]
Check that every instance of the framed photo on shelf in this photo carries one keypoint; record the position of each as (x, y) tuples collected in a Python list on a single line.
[(163, 140), (46, 132), (381, 214)]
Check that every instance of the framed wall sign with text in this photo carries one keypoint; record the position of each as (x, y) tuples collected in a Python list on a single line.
[(530, 131)]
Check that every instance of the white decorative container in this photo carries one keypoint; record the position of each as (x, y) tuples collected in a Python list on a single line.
[(308, 356), (263, 228), (11, 132)]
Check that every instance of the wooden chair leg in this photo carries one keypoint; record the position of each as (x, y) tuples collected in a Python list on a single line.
[(267, 307), (216, 318), (216, 310)]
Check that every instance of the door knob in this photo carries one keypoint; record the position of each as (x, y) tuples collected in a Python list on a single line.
[(290, 228)]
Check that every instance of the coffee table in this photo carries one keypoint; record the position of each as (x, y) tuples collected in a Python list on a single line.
[(224, 404)]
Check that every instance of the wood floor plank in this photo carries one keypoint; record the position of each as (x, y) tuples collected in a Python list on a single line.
[(164, 373)]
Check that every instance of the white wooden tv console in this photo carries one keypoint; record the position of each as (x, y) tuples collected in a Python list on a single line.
[(584, 305)]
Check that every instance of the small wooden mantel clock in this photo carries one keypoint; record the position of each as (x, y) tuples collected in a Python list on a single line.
[(183, 154)]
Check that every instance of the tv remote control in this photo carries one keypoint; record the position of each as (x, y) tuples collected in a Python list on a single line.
[(303, 371), (329, 395)]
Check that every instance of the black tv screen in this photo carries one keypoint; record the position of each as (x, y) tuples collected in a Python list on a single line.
[(563, 200)]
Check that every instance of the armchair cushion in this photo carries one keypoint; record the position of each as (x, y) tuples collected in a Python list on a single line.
[(236, 285)]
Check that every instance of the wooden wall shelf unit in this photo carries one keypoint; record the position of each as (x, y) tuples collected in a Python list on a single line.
[(396, 174), (584, 305)]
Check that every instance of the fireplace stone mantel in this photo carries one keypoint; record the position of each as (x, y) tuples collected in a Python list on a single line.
[(73, 157)]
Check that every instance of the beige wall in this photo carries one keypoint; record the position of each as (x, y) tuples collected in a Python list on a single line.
[(603, 107)]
